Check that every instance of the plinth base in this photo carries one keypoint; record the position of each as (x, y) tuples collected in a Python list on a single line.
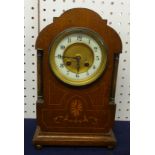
[(42, 138)]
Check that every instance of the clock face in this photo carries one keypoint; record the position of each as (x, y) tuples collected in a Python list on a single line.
[(78, 56)]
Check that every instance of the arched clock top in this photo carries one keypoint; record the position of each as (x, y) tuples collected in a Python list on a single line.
[(79, 17)]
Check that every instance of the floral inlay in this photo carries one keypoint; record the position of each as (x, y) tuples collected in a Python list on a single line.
[(76, 108)]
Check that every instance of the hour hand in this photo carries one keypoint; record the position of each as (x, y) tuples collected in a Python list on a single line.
[(78, 64), (69, 57)]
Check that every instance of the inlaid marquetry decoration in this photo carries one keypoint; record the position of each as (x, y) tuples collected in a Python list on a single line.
[(75, 113), (76, 108)]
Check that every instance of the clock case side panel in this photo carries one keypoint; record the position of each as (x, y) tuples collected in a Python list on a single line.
[(87, 19)]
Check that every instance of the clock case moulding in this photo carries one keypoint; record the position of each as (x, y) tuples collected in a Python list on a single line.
[(55, 123)]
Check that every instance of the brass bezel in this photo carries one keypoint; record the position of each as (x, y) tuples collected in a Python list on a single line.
[(91, 78)]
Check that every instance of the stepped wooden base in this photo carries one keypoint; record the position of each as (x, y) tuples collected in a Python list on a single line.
[(73, 139)]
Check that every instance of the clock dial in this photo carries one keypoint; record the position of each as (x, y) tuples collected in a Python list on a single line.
[(78, 56)]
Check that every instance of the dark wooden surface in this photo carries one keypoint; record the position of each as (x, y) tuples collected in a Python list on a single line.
[(54, 108)]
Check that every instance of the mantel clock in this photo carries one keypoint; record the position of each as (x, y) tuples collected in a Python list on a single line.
[(77, 58)]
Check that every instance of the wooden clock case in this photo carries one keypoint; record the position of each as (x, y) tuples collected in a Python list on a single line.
[(59, 120)]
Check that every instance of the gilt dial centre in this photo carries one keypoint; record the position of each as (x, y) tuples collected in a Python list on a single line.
[(78, 53)]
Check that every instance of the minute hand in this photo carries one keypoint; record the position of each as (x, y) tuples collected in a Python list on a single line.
[(78, 64)]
